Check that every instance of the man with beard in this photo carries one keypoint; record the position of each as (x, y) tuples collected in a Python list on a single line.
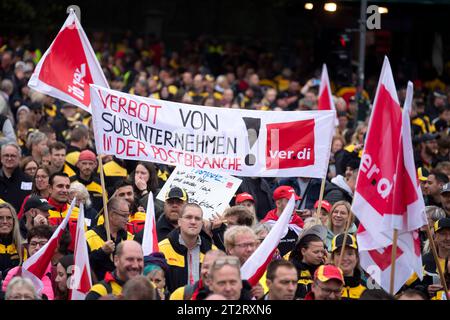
[(87, 163), (129, 263), (445, 198), (433, 187), (428, 150), (58, 159), (442, 240), (185, 248), (100, 249), (175, 199)]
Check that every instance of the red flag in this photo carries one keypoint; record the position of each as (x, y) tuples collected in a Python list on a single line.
[(325, 101), (36, 266), (387, 195), (255, 266), (150, 239), (69, 66), (81, 275)]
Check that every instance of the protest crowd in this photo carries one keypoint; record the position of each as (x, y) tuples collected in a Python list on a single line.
[(49, 158)]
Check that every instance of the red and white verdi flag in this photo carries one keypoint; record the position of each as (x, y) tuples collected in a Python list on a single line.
[(35, 267), (69, 66), (325, 101), (81, 274), (255, 266), (387, 194), (150, 239)]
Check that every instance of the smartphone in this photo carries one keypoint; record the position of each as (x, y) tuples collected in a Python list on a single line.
[(436, 279), (316, 82)]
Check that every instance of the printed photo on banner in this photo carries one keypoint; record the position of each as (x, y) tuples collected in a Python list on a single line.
[(232, 141), (210, 190)]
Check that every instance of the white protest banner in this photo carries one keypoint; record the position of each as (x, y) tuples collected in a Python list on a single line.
[(232, 141), (210, 190)]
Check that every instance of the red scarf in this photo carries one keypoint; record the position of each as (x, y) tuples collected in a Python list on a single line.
[(58, 207)]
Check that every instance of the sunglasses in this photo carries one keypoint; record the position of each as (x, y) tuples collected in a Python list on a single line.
[(220, 262)]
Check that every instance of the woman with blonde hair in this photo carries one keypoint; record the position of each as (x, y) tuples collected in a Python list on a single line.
[(12, 253), (341, 218)]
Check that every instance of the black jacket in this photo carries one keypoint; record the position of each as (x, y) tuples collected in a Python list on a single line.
[(334, 193), (312, 191), (176, 256), (16, 188), (99, 260), (260, 189), (163, 227)]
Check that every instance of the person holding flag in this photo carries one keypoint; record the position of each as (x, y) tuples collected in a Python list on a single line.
[(281, 196), (100, 249)]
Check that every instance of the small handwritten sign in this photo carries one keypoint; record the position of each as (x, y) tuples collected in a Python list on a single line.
[(210, 190)]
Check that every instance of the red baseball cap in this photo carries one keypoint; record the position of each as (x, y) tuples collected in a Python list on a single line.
[(284, 192), (87, 155), (325, 204), (241, 197), (328, 272)]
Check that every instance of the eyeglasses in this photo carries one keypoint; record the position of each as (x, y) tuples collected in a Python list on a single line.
[(246, 245), (329, 291), (6, 218), (37, 243), (220, 262), (123, 216)]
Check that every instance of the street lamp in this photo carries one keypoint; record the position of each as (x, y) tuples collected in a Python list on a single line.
[(330, 6), (309, 6)]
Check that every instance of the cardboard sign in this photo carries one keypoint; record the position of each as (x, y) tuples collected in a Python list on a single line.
[(210, 190)]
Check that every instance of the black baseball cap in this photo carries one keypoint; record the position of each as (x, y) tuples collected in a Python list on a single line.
[(445, 188), (35, 202), (177, 193), (338, 242), (441, 224)]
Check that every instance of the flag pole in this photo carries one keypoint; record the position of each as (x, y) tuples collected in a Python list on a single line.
[(347, 227), (393, 259), (436, 258), (105, 201), (319, 207)]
